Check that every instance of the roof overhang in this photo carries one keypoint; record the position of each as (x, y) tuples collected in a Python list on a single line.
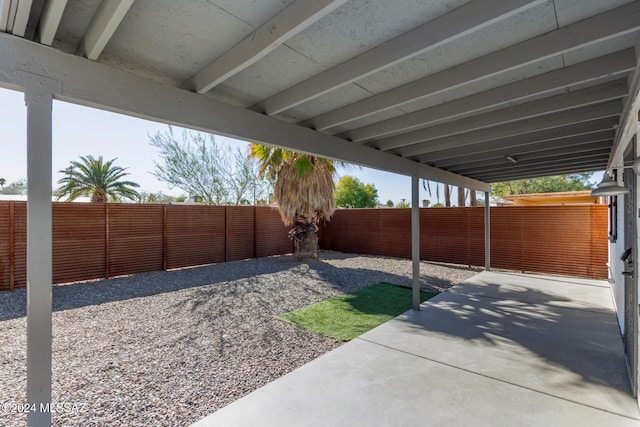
[(463, 92)]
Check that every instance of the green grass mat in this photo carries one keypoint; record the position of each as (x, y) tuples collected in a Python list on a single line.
[(347, 316)]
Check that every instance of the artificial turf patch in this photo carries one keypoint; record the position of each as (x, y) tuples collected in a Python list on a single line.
[(347, 316)]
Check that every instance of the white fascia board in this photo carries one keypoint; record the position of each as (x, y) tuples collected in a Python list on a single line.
[(445, 28), (622, 20), (104, 23), (50, 20), (286, 24), (97, 85)]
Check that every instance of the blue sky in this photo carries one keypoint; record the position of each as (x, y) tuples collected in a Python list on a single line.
[(81, 130)]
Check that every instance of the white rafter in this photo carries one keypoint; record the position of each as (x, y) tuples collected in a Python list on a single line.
[(286, 24), (17, 24), (540, 107), (104, 23), (4, 14), (630, 123), (609, 24), (50, 20), (97, 85), (450, 26), (604, 66), (583, 114), (475, 149)]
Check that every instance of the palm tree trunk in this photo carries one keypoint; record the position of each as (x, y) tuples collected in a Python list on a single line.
[(473, 201), (447, 195), (305, 239), (461, 196)]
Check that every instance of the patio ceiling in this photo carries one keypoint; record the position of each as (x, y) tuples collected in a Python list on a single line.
[(464, 92)]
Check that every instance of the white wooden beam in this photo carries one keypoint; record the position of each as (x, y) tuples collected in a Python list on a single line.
[(630, 123), (19, 25), (556, 134), (450, 26), (539, 174), (563, 168), (593, 112), (11, 14), (541, 107), (615, 22), (93, 84), (604, 66), (286, 24), (50, 20), (104, 23), (575, 142), (602, 152), (539, 154), (487, 232), (4, 14), (38, 98), (415, 242)]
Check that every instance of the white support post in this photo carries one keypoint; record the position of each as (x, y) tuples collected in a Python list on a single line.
[(39, 252), (415, 241), (487, 232)]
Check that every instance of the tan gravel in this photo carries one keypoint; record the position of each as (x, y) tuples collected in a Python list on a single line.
[(168, 348)]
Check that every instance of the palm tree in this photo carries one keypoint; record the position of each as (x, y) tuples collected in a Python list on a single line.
[(96, 178), (303, 191), (2, 183), (447, 195)]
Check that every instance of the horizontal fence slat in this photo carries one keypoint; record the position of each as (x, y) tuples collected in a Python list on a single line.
[(568, 240)]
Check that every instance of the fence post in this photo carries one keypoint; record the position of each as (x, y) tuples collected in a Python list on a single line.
[(226, 231), (106, 240), (487, 232), (415, 241), (12, 246), (255, 232), (164, 237)]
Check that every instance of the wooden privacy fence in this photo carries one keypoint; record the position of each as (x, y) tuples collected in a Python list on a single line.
[(92, 241), (568, 240)]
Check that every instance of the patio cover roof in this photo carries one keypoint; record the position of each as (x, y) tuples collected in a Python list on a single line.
[(458, 91)]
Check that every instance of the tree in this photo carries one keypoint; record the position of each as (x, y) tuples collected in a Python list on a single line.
[(549, 184), (389, 203), (447, 195), (96, 178), (303, 191), (18, 187), (426, 203), (145, 197), (403, 204), (206, 170), (437, 205), (2, 183), (461, 196), (473, 198), (352, 193)]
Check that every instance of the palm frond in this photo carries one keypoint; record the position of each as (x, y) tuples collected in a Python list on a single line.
[(96, 178)]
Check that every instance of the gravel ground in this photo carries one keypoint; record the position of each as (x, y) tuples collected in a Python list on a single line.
[(168, 348)]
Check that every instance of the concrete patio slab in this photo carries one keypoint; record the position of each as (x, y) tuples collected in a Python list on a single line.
[(497, 351), (529, 288)]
